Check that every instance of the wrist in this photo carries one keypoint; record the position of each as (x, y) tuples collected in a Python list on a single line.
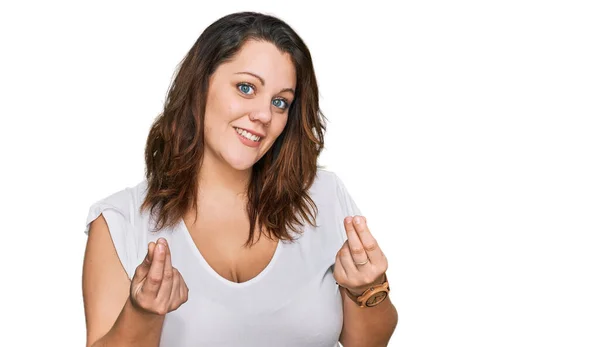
[(373, 294), (135, 327), (141, 314), (358, 292)]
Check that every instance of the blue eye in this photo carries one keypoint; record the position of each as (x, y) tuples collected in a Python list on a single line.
[(245, 88), (280, 103)]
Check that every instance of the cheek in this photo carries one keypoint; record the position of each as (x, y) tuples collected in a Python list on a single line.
[(279, 124), (232, 105), (222, 107), (235, 108)]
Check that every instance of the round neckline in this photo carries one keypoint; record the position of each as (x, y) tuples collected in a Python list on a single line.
[(212, 272)]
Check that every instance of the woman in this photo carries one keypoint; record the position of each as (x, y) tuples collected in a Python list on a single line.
[(236, 238)]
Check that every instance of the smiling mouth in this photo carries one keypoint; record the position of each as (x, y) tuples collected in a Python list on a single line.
[(247, 135)]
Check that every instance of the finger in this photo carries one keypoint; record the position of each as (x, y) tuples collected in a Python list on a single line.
[(176, 287), (183, 289), (154, 278), (151, 248), (175, 295), (347, 261), (357, 251), (166, 285), (142, 270), (368, 241)]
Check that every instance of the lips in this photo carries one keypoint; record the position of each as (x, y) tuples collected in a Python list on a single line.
[(249, 134), (247, 138)]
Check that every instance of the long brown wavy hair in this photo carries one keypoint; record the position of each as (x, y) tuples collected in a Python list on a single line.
[(278, 199)]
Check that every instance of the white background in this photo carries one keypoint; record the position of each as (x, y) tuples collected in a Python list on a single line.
[(467, 132)]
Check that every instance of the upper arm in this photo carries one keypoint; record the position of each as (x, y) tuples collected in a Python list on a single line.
[(105, 282)]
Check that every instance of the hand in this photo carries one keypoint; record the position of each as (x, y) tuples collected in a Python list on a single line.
[(360, 248), (157, 287)]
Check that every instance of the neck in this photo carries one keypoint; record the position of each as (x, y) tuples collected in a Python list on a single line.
[(217, 179)]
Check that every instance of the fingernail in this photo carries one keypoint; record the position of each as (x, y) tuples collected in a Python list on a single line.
[(348, 220), (357, 220), (162, 241), (161, 247)]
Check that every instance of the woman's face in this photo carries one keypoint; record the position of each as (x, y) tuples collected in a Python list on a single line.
[(247, 104)]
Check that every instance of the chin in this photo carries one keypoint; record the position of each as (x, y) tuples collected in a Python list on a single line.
[(239, 161)]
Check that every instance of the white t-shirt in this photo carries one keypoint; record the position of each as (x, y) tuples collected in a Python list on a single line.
[(293, 302)]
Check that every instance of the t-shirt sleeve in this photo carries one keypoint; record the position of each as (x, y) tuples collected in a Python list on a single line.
[(117, 212), (346, 205)]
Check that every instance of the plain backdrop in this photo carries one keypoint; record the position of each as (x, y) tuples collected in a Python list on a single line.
[(467, 132)]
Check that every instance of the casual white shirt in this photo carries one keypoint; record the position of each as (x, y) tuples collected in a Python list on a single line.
[(293, 302)]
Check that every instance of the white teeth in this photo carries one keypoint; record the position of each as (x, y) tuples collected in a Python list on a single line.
[(247, 135)]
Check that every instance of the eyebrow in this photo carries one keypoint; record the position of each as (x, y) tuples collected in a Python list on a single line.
[(262, 81)]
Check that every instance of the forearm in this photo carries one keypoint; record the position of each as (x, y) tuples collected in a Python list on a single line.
[(133, 328), (368, 326)]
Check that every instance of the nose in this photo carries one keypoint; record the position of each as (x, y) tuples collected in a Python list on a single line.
[(262, 114)]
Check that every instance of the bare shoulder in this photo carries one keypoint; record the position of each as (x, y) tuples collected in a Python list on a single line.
[(105, 282)]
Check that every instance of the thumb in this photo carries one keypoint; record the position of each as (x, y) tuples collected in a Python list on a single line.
[(151, 247), (142, 270)]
